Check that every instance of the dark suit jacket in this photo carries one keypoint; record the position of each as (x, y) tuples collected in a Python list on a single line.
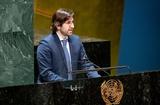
[(51, 59)]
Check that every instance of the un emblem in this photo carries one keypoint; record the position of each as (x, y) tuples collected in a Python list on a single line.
[(112, 91)]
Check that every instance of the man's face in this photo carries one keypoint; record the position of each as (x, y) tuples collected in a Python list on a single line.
[(67, 27)]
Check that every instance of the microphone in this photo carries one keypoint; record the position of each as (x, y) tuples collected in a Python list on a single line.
[(98, 68)]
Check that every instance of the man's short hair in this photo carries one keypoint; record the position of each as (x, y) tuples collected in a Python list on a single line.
[(60, 16)]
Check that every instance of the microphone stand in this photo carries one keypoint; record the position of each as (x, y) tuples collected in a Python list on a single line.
[(97, 69)]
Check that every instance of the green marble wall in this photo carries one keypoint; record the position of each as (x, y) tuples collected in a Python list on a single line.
[(16, 42)]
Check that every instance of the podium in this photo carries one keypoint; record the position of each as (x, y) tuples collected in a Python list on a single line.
[(139, 89)]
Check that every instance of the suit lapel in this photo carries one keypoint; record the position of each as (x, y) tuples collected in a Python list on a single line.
[(59, 46)]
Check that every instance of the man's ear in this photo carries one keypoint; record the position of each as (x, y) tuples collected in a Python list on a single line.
[(57, 24)]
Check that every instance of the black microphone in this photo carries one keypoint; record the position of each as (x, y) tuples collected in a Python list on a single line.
[(95, 69)]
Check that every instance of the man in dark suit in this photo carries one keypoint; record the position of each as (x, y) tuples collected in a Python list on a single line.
[(61, 52)]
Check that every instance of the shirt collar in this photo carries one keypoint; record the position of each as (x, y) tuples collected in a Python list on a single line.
[(61, 37)]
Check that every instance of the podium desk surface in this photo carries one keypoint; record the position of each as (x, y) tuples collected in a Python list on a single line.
[(139, 89)]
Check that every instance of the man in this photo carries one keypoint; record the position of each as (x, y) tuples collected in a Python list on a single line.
[(61, 52)]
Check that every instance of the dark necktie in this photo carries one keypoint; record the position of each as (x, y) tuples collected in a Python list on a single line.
[(68, 60)]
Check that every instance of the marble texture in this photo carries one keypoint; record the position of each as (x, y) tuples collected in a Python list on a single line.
[(139, 89), (16, 40), (16, 15)]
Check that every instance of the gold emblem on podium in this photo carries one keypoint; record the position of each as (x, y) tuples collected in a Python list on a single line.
[(112, 91)]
